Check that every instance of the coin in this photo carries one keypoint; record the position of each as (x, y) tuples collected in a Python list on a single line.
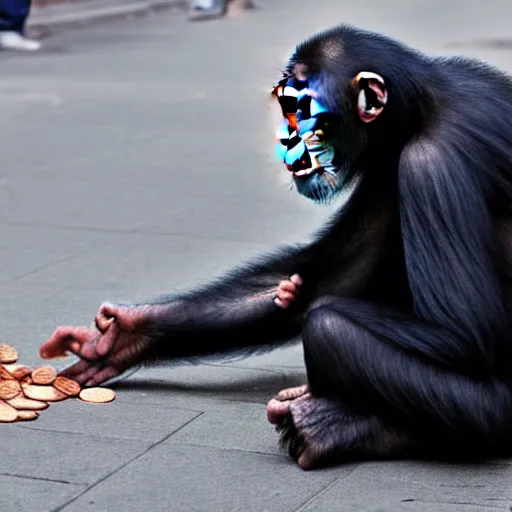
[(8, 354), (44, 375), (4, 373), (67, 386), (25, 391), (27, 415), (9, 389), (97, 395), (20, 372), (20, 402), (43, 393), (8, 414)]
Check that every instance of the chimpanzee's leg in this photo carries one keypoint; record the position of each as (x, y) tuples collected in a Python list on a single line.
[(374, 393)]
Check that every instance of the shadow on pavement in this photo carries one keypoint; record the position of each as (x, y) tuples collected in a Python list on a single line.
[(259, 388)]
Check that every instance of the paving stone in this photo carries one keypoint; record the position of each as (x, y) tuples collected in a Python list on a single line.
[(30, 313), (216, 480), (66, 457), (149, 262), (419, 486), (241, 427), (87, 205), (38, 248), (232, 401), (18, 494), (267, 222), (120, 419)]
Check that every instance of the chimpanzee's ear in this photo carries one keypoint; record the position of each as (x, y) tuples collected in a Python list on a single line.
[(372, 95)]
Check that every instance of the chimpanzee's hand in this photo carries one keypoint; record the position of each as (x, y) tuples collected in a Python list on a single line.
[(118, 342), (287, 291)]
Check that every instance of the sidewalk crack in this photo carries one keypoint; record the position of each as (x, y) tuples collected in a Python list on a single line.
[(40, 478), (122, 466), (325, 489)]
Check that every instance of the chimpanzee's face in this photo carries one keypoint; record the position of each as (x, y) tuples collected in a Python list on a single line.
[(302, 143), (320, 148)]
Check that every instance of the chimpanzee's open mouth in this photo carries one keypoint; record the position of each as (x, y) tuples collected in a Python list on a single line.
[(305, 173), (301, 139)]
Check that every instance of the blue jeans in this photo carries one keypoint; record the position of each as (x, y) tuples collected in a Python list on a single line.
[(14, 14)]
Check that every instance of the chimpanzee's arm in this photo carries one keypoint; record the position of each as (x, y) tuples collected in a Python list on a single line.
[(235, 312)]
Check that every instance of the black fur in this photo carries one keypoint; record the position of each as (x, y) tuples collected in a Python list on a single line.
[(406, 303)]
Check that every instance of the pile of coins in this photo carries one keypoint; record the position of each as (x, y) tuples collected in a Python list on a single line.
[(25, 391)]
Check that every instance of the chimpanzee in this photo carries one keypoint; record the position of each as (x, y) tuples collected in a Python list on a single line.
[(403, 300)]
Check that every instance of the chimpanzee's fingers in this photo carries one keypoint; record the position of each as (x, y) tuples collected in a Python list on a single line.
[(65, 339), (283, 304), (287, 286), (87, 348), (296, 279), (103, 375), (107, 340), (76, 369), (85, 375), (129, 318), (108, 310), (102, 322), (287, 296)]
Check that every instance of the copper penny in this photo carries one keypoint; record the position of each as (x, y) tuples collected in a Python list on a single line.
[(43, 393), (8, 354), (8, 414), (23, 403), (97, 395), (27, 415), (67, 386), (44, 375), (9, 389)]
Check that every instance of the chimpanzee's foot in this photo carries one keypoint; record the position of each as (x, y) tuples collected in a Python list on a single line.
[(318, 432), (293, 393), (287, 291), (278, 407)]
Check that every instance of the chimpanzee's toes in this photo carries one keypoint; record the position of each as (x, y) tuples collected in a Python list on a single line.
[(292, 393), (277, 411), (290, 440), (279, 406)]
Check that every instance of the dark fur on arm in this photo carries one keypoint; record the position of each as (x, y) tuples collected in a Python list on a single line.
[(236, 313)]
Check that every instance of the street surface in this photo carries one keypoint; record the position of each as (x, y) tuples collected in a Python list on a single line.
[(136, 159)]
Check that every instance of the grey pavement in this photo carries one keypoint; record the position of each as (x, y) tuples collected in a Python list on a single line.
[(137, 158)]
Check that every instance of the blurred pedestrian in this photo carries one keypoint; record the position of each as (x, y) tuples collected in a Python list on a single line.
[(209, 9), (13, 16)]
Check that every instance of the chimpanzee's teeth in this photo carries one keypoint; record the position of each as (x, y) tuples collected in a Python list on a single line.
[(305, 172)]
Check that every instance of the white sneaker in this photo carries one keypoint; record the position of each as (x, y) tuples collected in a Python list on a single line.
[(15, 41), (207, 9), (203, 4)]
